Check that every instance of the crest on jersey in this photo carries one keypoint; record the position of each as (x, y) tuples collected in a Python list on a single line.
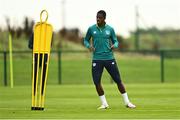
[(94, 32), (107, 32)]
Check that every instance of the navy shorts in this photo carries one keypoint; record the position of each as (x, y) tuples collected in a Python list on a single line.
[(111, 67)]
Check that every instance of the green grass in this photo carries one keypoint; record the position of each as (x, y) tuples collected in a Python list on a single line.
[(154, 101)]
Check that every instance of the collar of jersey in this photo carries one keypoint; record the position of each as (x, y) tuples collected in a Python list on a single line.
[(100, 28)]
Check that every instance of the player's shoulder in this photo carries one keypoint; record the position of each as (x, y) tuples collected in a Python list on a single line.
[(92, 26), (109, 27)]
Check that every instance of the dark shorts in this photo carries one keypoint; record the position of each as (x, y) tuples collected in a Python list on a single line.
[(111, 67)]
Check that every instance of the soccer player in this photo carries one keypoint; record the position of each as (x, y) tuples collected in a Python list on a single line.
[(103, 41)]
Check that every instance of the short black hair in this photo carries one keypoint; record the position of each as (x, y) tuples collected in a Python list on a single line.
[(102, 12)]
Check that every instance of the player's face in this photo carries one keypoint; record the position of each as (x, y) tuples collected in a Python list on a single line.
[(100, 19)]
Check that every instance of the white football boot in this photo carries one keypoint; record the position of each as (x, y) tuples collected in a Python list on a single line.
[(130, 105), (103, 107)]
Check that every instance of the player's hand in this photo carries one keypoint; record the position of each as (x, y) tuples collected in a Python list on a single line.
[(92, 49), (112, 46)]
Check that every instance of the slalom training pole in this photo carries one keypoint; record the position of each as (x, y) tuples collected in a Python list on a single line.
[(11, 61)]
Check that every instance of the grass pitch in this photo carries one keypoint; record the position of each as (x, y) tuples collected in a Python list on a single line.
[(154, 101)]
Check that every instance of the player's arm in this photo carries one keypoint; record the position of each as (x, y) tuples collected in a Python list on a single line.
[(87, 40), (114, 39)]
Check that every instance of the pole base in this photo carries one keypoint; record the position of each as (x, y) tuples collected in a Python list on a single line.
[(37, 108)]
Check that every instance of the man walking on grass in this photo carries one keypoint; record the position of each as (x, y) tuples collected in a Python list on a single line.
[(103, 41)]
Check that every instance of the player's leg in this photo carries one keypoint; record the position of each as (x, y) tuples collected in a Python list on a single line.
[(112, 69), (97, 69)]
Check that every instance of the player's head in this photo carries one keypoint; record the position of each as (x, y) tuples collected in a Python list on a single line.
[(101, 16)]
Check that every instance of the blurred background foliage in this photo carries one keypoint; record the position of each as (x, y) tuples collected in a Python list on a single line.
[(72, 39)]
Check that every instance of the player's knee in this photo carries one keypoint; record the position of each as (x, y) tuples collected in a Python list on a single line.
[(117, 80), (97, 84)]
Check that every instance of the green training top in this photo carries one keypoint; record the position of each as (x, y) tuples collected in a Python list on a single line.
[(102, 39)]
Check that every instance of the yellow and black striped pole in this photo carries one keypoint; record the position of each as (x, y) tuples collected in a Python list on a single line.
[(41, 53)]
